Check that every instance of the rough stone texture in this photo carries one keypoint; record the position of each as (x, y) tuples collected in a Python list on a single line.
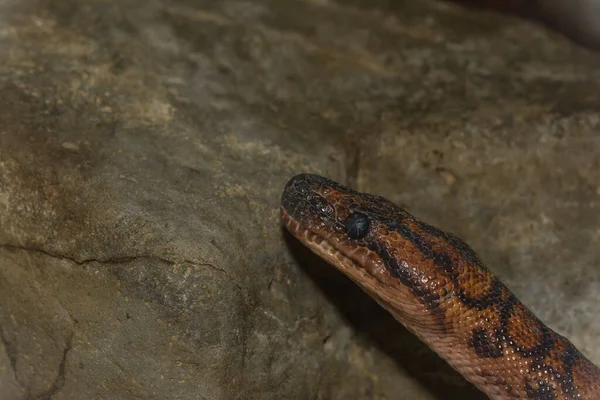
[(144, 146)]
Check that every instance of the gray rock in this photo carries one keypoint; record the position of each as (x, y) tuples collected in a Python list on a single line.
[(144, 147)]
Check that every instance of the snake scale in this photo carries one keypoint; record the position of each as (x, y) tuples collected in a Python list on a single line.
[(437, 287)]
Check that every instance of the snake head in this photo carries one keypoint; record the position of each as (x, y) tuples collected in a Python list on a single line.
[(402, 262), (367, 237), (337, 213)]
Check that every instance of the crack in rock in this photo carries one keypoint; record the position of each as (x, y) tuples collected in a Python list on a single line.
[(118, 260), (59, 381), (11, 353)]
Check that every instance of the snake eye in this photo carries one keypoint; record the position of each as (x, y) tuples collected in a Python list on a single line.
[(357, 225)]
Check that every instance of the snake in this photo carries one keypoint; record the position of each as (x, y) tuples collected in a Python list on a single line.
[(435, 285)]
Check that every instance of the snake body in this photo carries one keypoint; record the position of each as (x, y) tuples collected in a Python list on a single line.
[(437, 287)]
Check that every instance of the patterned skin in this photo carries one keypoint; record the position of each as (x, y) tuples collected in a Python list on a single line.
[(436, 286)]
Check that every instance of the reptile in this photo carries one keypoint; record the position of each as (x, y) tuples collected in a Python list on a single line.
[(437, 287)]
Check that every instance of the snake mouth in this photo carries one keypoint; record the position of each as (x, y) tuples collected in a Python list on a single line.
[(312, 240), (301, 207), (363, 268), (358, 263), (308, 213)]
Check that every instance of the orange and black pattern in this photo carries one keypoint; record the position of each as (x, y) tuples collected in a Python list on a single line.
[(435, 284)]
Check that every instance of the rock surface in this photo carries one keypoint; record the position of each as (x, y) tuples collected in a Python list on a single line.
[(144, 146)]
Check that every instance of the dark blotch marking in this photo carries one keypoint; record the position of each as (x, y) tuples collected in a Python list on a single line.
[(493, 297), (538, 352), (542, 349), (483, 346), (412, 236), (399, 272), (464, 249), (429, 298), (569, 358), (443, 261), (374, 246), (543, 392)]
